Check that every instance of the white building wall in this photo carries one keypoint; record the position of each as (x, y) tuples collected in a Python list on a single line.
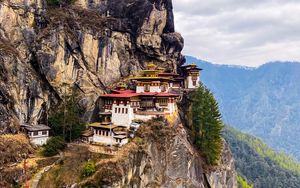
[(189, 82), (124, 141), (107, 140), (143, 117), (155, 89), (140, 89), (103, 139), (120, 118), (39, 140), (172, 107)]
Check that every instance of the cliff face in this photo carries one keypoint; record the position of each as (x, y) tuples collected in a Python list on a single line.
[(90, 45), (44, 51), (162, 156)]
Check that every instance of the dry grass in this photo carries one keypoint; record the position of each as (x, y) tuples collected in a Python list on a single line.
[(73, 19), (13, 148), (108, 170), (70, 170)]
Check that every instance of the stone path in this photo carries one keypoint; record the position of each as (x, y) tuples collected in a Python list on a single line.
[(36, 179)]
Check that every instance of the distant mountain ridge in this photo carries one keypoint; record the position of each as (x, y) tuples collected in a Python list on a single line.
[(262, 167), (263, 101)]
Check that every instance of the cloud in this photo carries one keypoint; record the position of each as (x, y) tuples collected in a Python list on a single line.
[(243, 32)]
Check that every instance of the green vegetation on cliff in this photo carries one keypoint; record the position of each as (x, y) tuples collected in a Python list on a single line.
[(53, 146), (263, 167), (242, 183), (66, 120), (207, 124)]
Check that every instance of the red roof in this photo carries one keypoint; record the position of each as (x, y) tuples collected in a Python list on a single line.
[(128, 95), (120, 95), (123, 91), (157, 94)]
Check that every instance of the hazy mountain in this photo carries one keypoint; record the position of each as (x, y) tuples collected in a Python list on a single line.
[(263, 101)]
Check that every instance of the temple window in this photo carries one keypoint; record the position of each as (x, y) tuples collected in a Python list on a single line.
[(119, 110), (44, 132), (126, 111), (122, 110), (35, 133), (116, 110), (147, 88), (163, 88), (163, 102)]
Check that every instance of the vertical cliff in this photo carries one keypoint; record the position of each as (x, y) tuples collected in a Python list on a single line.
[(44, 51), (90, 45), (162, 156)]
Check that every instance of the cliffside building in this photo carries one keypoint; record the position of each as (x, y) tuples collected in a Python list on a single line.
[(38, 134), (154, 94)]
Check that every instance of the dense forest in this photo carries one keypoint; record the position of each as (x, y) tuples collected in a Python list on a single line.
[(263, 167)]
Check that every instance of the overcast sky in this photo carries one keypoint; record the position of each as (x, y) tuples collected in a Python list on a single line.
[(241, 32)]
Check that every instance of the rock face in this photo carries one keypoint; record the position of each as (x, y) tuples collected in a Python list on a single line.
[(165, 158), (90, 45)]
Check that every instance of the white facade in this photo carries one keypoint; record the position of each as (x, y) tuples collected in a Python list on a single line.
[(39, 137), (189, 83), (144, 117), (120, 142), (155, 89), (149, 88), (108, 138), (103, 139), (39, 141), (122, 114), (172, 107), (140, 89)]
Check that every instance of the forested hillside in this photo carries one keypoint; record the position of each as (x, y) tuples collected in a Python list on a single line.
[(262, 101), (259, 164)]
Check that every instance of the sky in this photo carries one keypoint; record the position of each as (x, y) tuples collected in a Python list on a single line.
[(239, 32)]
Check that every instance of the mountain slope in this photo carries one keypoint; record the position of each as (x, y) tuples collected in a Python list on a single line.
[(262, 167), (262, 101)]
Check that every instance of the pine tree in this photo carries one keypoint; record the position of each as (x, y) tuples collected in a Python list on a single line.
[(70, 120), (207, 125)]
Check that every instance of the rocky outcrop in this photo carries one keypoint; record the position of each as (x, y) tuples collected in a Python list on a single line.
[(162, 156), (91, 45)]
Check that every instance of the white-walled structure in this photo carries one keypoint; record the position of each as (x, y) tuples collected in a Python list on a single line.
[(122, 113), (192, 76), (108, 133), (151, 98), (38, 134)]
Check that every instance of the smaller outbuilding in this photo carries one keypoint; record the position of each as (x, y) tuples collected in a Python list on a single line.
[(38, 134)]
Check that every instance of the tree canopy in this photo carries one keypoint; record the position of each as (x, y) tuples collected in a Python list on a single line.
[(207, 125), (66, 120)]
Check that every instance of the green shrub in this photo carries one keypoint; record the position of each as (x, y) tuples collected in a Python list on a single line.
[(242, 183), (53, 146), (88, 169), (53, 2), (66, 119)]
